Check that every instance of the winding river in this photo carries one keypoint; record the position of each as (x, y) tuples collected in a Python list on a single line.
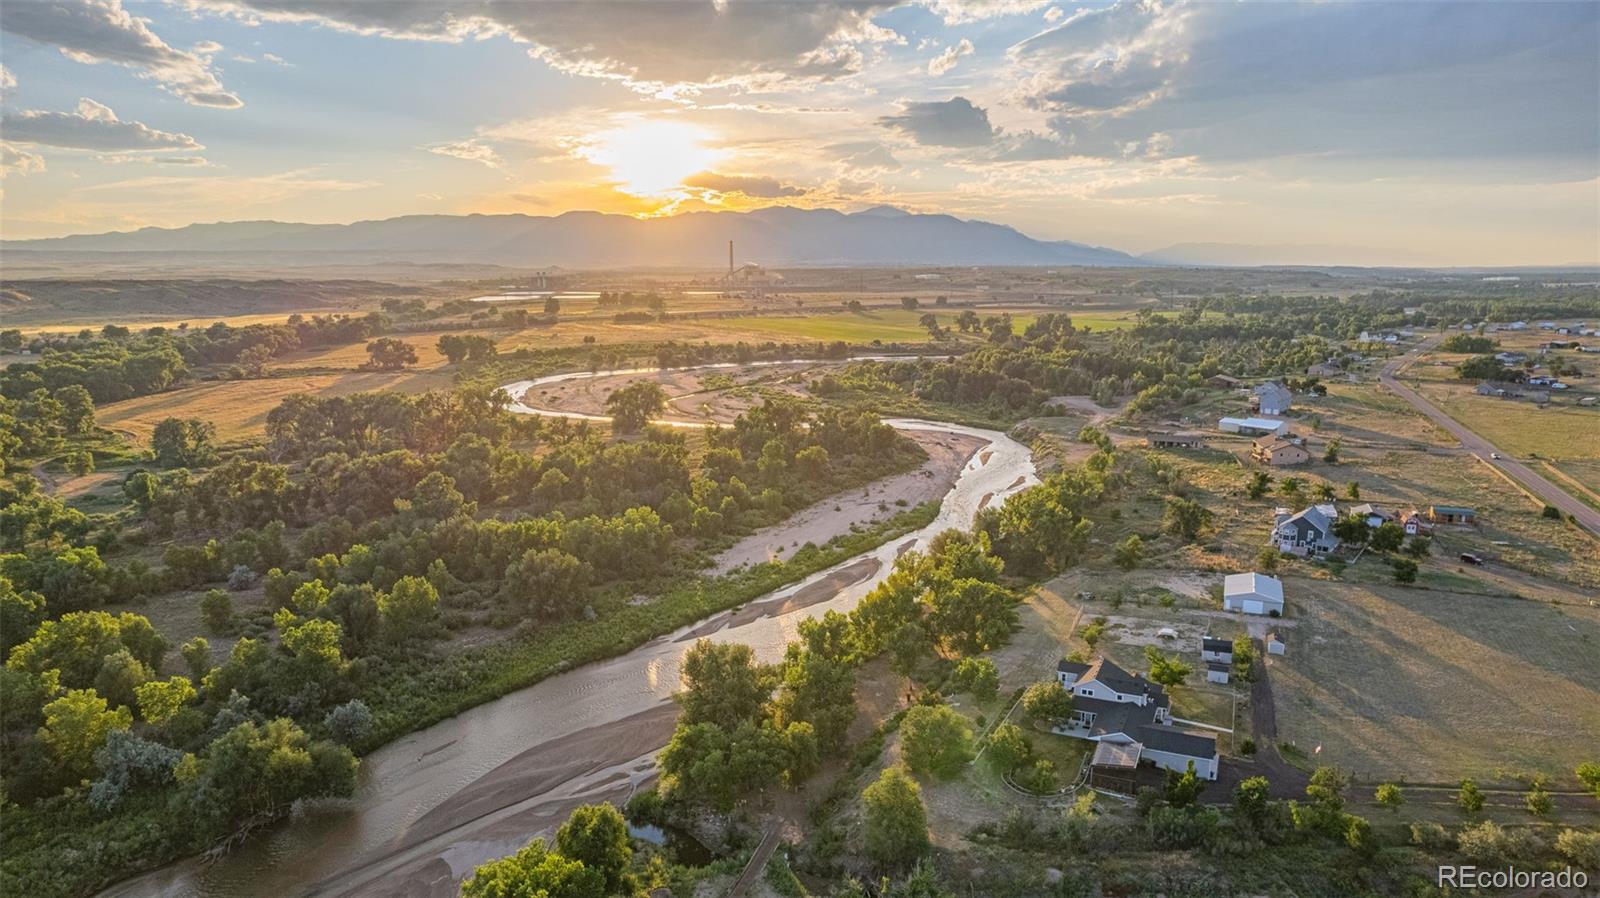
[(432, 805)]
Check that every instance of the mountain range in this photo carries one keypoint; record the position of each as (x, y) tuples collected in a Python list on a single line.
[(773, 236)]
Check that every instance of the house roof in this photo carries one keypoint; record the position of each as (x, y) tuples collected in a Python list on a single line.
[(1274, 391), (1450, 509), (1253, 584), (1253, 423), (1276, 443), (1111, 718), (1318, 516), (1076, 668), (1218, 666), (1367, 509), (1213, 644), (1104, 670), (1168, 739), (1116, 754)]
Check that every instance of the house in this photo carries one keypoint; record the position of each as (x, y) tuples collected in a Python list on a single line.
[(1252, 593), (1175, 441), (1274, 644), (1272, 398), (1253, 426), (1330, 368), (1279, 452), (1587, 400), (1306, 532), (1112, 706), (1510, 358), (1451, 514), (1372, 514), (1214, 650), (1224, 382), (1217, 672), (1415, 524), (1517, 326), (1498, 389)]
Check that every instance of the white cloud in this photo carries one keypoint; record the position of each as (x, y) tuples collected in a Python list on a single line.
[(206, 48), (93, 127), (1053, 14), (14, 161), (151, 159), (653, 47), (275, 59), (960, 12), (865, 156), (471, 150), (95, 31), (947, 60), (7, 80), (759, 186)]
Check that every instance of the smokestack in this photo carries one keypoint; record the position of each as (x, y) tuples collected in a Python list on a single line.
[(730, 258)]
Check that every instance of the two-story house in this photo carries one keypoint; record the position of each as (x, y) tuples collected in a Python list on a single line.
[(1306, 532), (1110, 705)]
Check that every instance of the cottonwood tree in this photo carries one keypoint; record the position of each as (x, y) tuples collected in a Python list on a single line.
[(634, 405), (935, 739), (1168, 670), (1048, 701), (896, 822), (389, 354)]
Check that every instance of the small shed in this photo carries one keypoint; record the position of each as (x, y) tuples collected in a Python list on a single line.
[(1115, 766), (1216, 672), (1216, 650), (1452, 514), (1274, 644), (1252, 593)]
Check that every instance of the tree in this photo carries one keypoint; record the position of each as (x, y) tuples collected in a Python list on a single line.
[(184, 443), (260, 769), (161, 700), (723, 685), (389, 354), (816, 687), (1183, 789), (970, 615), (79, 463), (930, 323), (935, 739), (1405, 570), (1538, 801), (1389, 795), (349, 723), (1185, 518), (1048, 701), (1128, 552), (197, 655), (1331, 453), (896, 822), (1484, 367), (408, 608), (1589, 774), (1352, 528), (1292, 488), (217, 610), (632, 407), (1388, 537), (1008, 747), (1358, 835), (1252, 796), (547, 582), (1352, 491), (1167, 670), (1470, 797), (552, 305), (1418, 547), (1267, 559), (1256, 486), (76, 725), (597, 836), (978, 676)]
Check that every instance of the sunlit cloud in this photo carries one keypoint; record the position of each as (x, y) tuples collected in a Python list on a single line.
[(651, 158)]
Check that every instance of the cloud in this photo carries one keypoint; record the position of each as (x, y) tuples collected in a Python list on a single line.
[(947, 60), (651, 46), (93, 127), (1344, 82), (470, 150), (865, 155), (95, 31), (1053, 14), (275, 59), (960, 12), (14, 161), (749, 185), (151, 159), (949, 123), (7, 80), (206, 48)]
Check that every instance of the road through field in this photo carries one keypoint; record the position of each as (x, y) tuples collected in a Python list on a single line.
[(1531, 480), (436, 803)]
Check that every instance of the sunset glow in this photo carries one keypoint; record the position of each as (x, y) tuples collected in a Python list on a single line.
[(651, 157)]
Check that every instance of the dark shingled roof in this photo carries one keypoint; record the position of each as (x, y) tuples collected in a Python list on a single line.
[(1076, 668), (1213, 644), (1164, 738)]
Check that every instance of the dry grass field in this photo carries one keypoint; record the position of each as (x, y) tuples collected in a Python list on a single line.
[(239, 408), (1434, 686)]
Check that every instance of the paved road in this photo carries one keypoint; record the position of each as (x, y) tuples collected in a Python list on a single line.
[(1483, 449)]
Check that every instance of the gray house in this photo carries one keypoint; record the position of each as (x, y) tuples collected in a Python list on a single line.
[(1306, 532), (1273, 398), (1110, 705)]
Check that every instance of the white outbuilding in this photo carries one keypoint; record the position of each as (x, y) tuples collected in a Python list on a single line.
[(1252, 593)]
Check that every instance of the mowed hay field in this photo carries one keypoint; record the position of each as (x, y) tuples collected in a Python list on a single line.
[(239, 407), (1434, 686)]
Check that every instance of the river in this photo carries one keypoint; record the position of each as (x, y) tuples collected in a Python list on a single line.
[(432, 805)]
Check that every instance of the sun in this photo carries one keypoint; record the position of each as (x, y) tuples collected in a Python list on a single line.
[(652, 157)]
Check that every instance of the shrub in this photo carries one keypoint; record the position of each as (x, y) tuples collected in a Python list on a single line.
[(217, 609), (349, 723), (1581, 849), (241, 578)]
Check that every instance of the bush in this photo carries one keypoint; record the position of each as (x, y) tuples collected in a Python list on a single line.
[(1551, 512), (349, 723), (217, 609), (1581, 849), (241, 578), (1492, 845)]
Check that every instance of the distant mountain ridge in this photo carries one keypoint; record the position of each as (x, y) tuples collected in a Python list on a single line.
[(779, 235)]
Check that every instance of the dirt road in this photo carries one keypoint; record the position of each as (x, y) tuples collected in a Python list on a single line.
[(1588, 517)]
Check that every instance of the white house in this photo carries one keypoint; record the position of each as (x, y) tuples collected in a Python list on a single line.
[(1110, 705), (1273, 398), (1253, 426), (1252, 593)]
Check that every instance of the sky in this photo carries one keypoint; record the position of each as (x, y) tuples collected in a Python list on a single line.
[(1456, 133)]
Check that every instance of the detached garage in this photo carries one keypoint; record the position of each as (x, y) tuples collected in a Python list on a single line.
[(1252, 594)]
